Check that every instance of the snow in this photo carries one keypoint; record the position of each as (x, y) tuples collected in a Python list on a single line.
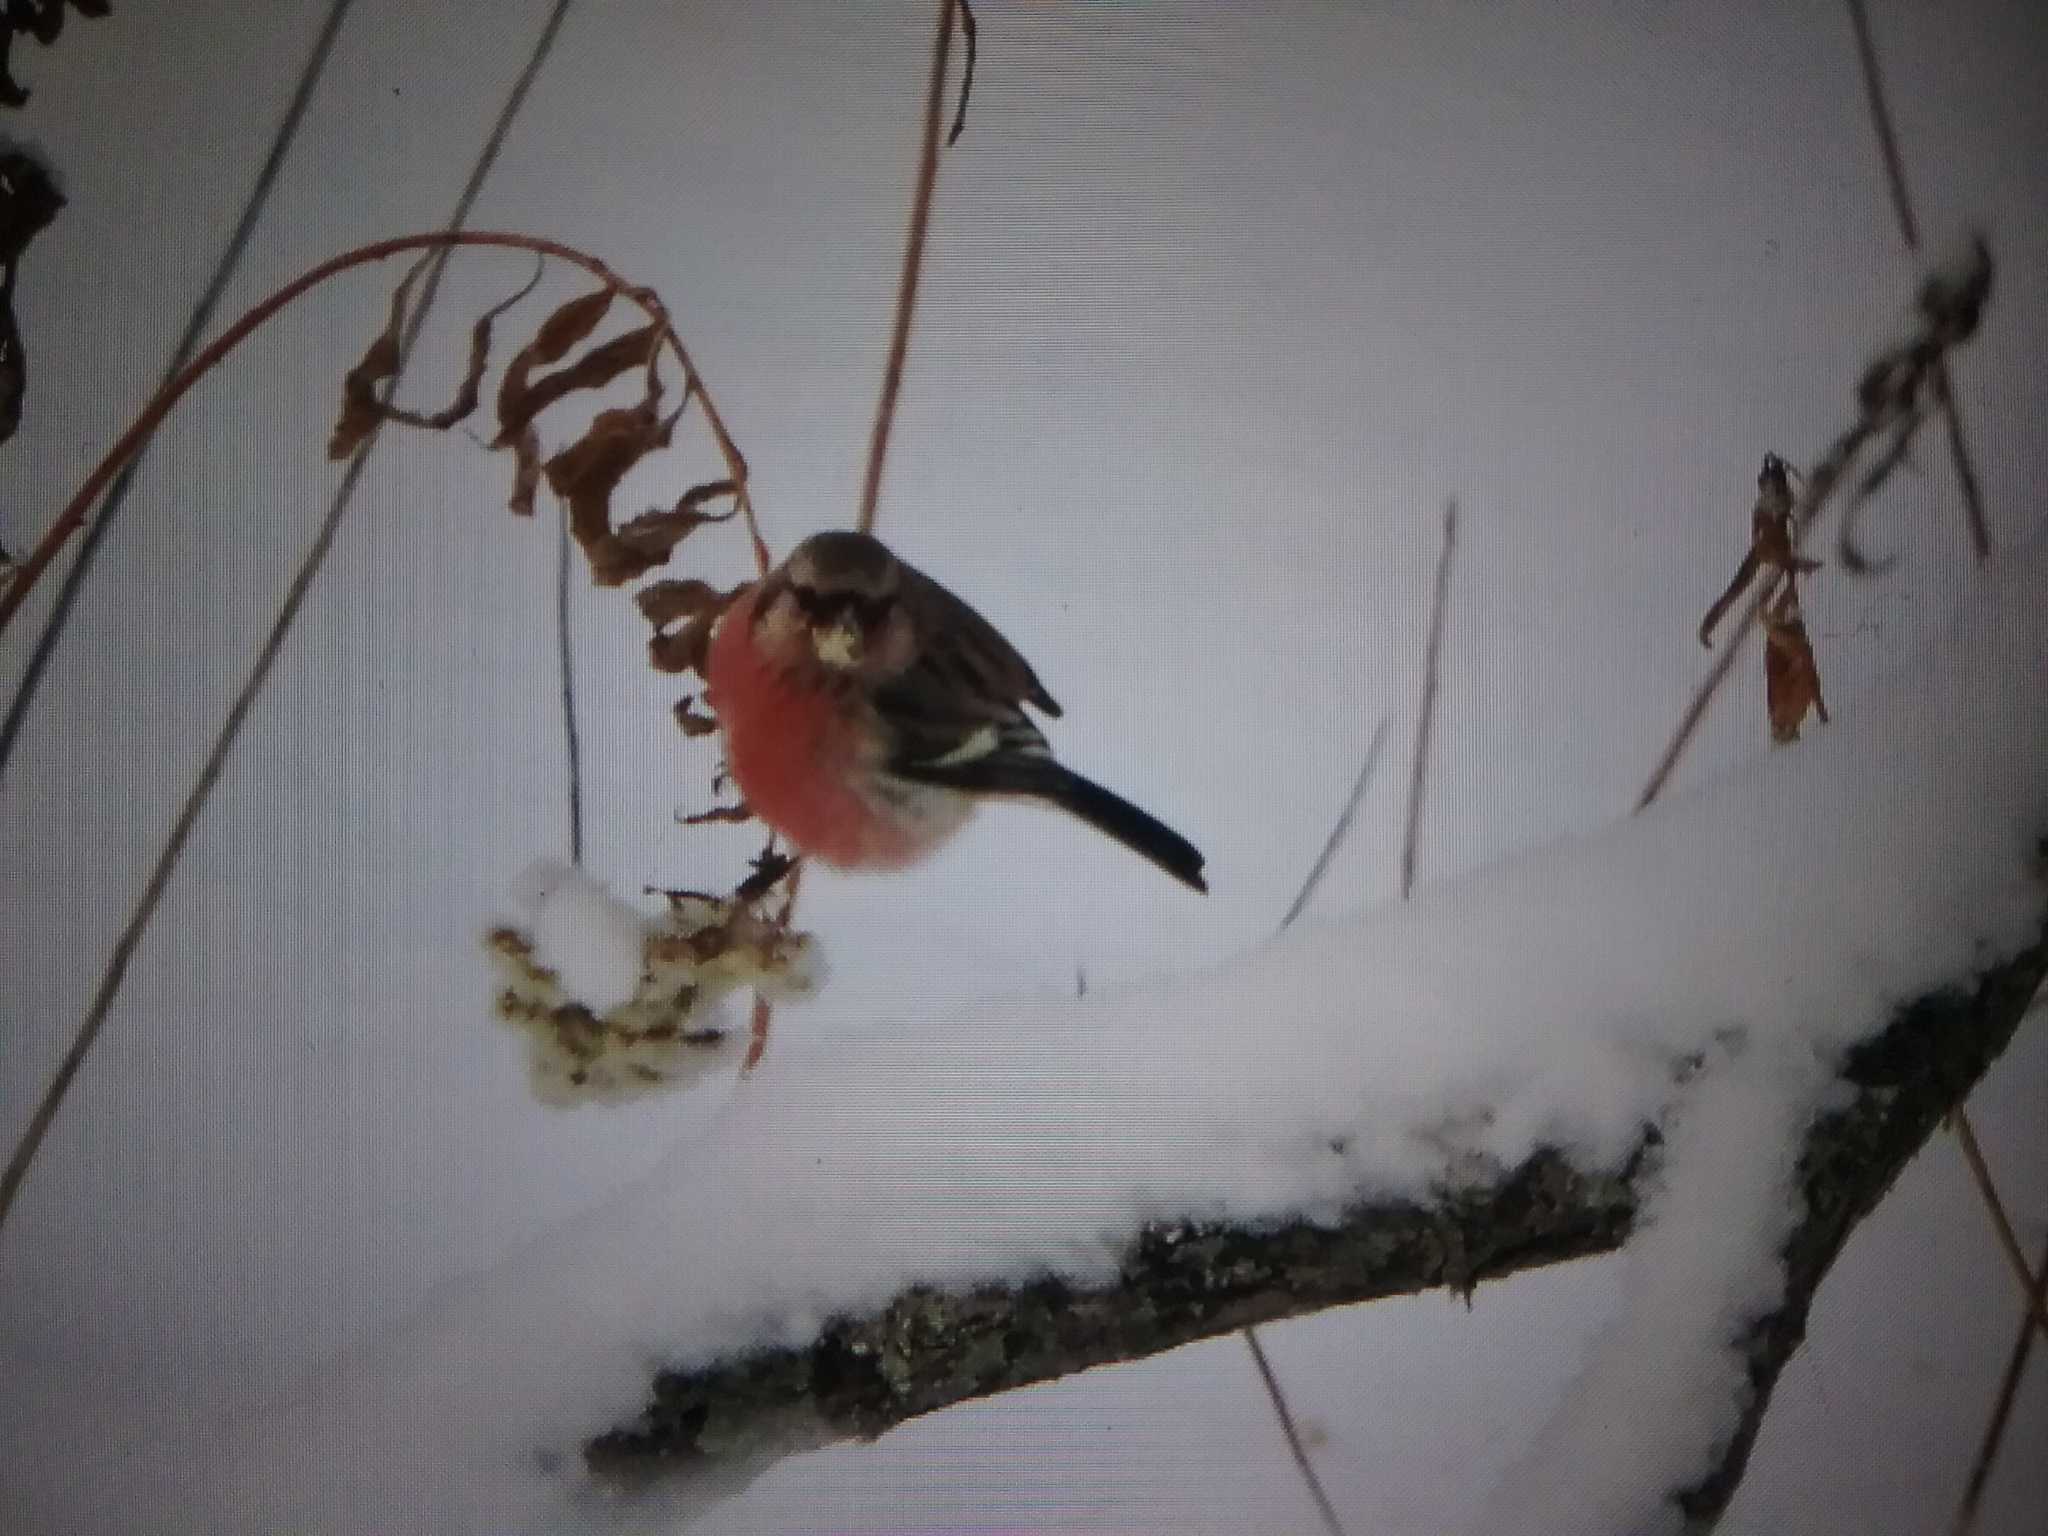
[(1697, 967), (583, 933), (1660, 1390), (616, 1005)]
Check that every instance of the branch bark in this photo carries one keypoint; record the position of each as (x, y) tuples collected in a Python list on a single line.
[(1184, 1281)]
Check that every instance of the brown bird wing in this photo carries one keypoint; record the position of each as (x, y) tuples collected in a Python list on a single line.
[(964, 696)]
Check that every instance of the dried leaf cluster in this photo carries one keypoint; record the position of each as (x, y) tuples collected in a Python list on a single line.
[(560, 361), (669, 1033), (1897, 392), (1791, 675), (42, 20)]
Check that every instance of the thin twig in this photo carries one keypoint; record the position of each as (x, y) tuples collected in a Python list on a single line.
[(1881, 120), (1703, 695), (1425, 725), (2001, 1409), (571, 741), (195, 326), (1300, 1453), (2001, 1223), (1338, 831), (259, 672), (1909, 231), (913, 264), (1340, 828)]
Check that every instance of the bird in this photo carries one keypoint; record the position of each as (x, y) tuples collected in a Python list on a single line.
[(867, 711)]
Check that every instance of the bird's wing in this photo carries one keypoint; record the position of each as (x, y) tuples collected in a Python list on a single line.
[(963, 699)]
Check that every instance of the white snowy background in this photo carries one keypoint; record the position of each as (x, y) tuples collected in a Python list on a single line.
[(1219, 309)]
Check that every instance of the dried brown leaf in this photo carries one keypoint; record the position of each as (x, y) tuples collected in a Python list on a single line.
[(655, 534), (685, 649), (471, 387), (525, 473), (595, 369), (718, 814), (563, 329), (662, 603), (1791, 675), (361, 410), (585, 474), (694, 724)]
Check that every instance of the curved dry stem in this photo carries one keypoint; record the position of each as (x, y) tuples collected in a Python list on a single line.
[(913, 265), (166, 399)]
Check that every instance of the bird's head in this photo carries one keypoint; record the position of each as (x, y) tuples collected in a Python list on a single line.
[(837, 603)]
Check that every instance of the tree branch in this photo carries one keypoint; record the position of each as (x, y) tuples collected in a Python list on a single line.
[(1190, 1280)]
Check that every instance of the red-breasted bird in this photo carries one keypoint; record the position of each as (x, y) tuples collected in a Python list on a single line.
[(867, 710)]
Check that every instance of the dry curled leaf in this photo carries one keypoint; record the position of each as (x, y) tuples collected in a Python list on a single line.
[(563, 329), (662, 603), (717, 815), (692, 723), (525, 474), (585, 474), (471, 387), (698, 606), (567, 325), (1791, 675), (361, 410), (655, 534), (595, 369)]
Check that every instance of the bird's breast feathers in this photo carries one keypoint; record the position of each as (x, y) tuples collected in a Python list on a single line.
[(808, 760)]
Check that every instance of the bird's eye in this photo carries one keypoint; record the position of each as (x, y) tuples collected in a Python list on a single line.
[(815, 605), (872, 611)]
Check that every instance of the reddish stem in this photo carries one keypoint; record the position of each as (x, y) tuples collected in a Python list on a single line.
[(72, 518)]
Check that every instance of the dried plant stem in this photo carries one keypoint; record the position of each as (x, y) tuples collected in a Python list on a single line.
[(1426, 722), (1281, 1411), (1703, 695), (1294, 1446), (175, 389), (1909, 231), (2001, 1223), (572, 744), (2001, 1409), (195, 326), (1338, 829), (913, 265)]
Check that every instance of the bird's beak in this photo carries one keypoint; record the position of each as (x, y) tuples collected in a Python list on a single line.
[(839, 645)]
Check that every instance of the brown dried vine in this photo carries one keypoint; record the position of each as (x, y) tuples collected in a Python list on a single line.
[(1896, 393)]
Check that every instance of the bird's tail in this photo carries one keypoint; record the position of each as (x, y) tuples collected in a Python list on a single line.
[(1036, 777)]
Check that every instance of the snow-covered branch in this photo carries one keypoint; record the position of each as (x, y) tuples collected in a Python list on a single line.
[(1186, 1280)]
